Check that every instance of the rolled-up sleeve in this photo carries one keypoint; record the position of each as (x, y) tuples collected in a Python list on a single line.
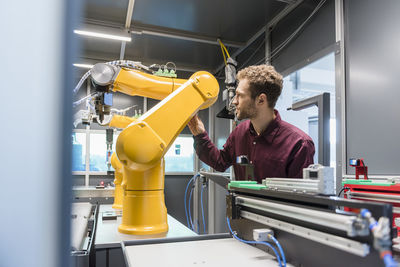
[(218, 159), (302, 157)]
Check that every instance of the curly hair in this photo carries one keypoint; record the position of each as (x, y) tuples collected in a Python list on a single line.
[(263, 79)]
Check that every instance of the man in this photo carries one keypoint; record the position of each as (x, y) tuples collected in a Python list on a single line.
[(275, 147)]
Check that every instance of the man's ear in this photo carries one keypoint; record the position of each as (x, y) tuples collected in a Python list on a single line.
[(262, 98)]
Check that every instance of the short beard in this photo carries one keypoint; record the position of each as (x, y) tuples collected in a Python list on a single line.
[(248, 113)]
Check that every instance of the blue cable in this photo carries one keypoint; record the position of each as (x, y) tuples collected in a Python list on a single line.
[(255, 242), (202, 210), (187, 207), (186, 210), (280, 249), (190, 215), (184, 201), (388, 258), (389, 261)]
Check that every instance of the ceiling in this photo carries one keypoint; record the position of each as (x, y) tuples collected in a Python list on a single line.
[(182, 31)]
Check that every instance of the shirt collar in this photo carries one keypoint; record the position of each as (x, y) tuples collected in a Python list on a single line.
[(269, 133)]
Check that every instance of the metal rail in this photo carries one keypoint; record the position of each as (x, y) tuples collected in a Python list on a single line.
[(341, 243), (336, 221)]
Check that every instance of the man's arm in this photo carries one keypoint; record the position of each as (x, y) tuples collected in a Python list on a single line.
[(219, 160), (302, 158), (196, 126)]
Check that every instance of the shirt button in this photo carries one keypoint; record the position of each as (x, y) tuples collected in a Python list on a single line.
[(251, 162), (254, 143)]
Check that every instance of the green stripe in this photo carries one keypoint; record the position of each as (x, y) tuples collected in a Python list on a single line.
[(366, 182)]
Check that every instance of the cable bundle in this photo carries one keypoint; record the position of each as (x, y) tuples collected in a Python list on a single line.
[(281, 264), (188, 206)]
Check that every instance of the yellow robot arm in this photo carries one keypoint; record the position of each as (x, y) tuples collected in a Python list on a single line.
[(148, 139), (141, 146), (118, 121), (134, 82)]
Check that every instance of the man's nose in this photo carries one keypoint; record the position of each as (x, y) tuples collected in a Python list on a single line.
[(234, 101)]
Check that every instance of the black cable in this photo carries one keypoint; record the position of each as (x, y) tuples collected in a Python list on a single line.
[(291, 37), (344, 188), (252, 55)]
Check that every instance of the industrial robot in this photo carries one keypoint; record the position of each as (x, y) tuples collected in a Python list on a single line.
[(141, 146)]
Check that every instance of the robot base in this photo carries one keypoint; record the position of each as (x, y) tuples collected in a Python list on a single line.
[(144, 213)]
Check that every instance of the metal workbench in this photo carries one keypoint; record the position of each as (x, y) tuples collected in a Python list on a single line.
[(92, 191), (206, 252)]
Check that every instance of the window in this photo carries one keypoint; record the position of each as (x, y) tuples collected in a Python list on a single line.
[(78, 151), (98, 152), (180, 156), (314, 79)]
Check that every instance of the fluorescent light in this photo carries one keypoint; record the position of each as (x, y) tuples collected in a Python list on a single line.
[(104, 35), (84, 66), (136, 32)]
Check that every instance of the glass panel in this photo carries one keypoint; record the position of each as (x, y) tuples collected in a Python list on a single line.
[(98, 151), (314, 79), (78, 151), (179, 157)]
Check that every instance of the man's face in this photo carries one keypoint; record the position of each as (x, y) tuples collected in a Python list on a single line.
[(245, 105)]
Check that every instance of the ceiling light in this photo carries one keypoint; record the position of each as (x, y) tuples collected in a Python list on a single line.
[(84, 66), (104, 32), (103, 35)]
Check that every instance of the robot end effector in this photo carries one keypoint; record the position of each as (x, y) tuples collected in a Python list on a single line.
[(103, 77), (99, 103)]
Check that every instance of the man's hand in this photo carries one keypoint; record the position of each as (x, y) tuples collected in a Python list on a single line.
[(196, 126)]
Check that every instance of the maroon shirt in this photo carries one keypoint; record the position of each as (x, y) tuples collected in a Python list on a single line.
[(282, 150)]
